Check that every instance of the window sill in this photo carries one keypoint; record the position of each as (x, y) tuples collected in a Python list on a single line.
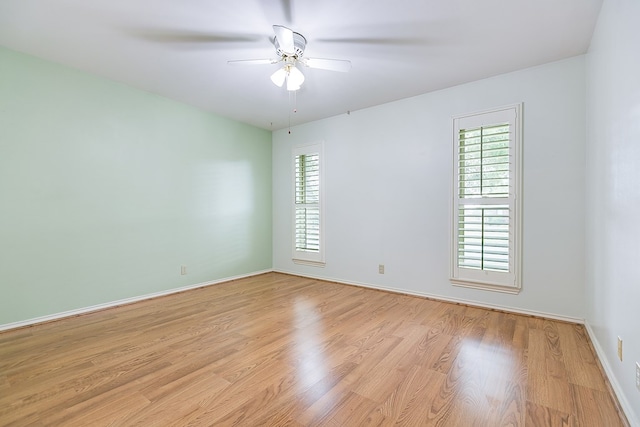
[(505, 289), (307, 262)]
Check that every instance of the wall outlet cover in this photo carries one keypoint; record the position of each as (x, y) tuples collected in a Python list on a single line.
[(620, 348)]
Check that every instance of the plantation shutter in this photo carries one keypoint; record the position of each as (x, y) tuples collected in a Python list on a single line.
[(307, 211), (485, 221), (307, 206)]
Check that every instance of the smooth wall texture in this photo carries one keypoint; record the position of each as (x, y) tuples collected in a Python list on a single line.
[(106, 191), (389, 180), (613, 194)]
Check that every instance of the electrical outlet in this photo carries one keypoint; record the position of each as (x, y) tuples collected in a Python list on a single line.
[(620, 348), (638, 375), (183, 270), (381, 268)]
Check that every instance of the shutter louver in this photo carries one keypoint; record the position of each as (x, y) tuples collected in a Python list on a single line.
[(483, 161), (307, 199), (483, 179), (483, 237)]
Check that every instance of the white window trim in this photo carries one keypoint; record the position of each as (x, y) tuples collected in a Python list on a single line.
[(315, 259), (482, 279)]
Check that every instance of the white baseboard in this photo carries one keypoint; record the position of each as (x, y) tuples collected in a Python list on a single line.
[(443, 298), (615, 385), (83, 310)]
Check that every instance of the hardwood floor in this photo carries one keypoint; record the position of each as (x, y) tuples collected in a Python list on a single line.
[(288, 351)]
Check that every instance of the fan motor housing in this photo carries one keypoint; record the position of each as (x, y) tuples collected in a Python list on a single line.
[(299, 43)]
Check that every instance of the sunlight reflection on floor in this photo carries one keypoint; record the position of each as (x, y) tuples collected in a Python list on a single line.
[(311, 365)]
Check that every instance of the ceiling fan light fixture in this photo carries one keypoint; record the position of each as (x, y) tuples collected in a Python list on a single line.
[(279, 77), (295, 78), (290, 50), (292, 88)]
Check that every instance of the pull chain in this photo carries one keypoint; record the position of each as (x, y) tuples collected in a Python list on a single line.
[(289, 113), (295, 106)]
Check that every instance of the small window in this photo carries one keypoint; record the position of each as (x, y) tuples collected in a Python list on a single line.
[(486, 204), (308, 245)]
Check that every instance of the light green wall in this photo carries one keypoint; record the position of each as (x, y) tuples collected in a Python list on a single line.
[(106, 190)]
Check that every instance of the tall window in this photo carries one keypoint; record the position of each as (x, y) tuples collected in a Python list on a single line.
[(486, 208), (308, 247)]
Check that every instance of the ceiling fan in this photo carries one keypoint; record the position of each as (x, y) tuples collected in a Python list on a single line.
[(290, 52)]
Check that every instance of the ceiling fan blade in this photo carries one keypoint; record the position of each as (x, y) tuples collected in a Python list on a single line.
[(285, 38), (341, 65), (388, 41), (188, 36), (253, 61)]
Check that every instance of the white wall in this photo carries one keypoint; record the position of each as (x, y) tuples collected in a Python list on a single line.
[(613, 195), (388, 190)]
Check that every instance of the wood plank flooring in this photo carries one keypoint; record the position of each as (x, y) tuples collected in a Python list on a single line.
[(279, 350)]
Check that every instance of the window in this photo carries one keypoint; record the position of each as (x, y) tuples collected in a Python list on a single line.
[(487, 197), (308, 245)]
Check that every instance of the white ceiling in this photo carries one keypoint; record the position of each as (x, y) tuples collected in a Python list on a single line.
[(401, 48)]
